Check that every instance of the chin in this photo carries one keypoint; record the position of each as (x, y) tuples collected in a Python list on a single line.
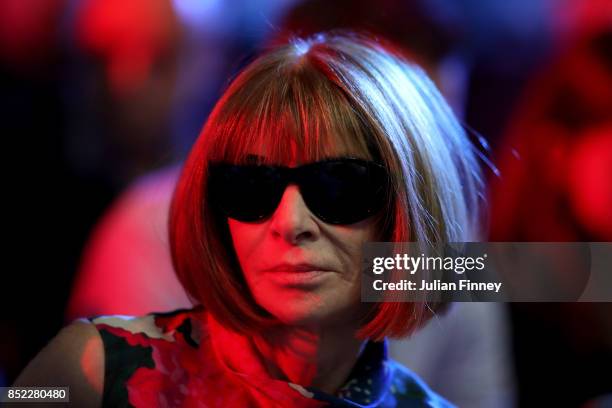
[(308, 310), (301, 318), (295, 309)]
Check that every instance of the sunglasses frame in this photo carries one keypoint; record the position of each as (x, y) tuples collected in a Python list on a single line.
[(302, 176)]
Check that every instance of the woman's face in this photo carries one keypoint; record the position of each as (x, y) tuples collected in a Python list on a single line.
[(300, 269)]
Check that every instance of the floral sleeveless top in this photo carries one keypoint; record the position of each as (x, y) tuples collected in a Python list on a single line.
[(173, 360)]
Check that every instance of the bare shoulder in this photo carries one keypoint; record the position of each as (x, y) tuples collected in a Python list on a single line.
[(74, 358)]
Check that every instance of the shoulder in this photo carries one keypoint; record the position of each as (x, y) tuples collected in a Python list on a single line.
[(145, 354), (74, 358), (175, 326), (130, 340), (408, 388), (98, 357)]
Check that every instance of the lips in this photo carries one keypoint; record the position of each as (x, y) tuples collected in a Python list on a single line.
[(303, 275), (297, 267)]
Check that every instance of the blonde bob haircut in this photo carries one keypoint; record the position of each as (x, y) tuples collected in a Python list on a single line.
[(307, 100)]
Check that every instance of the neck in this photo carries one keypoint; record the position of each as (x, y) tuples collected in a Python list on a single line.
[(317, 357)]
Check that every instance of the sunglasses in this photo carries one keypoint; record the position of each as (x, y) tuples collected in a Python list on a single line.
[(337, 191)]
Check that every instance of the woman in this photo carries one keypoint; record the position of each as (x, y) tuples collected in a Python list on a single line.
[(316, 148)]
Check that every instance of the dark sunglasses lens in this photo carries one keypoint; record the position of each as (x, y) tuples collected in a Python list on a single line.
[(344, 192), (245, 193)]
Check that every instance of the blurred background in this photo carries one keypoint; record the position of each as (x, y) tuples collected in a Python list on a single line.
[(101, 100)]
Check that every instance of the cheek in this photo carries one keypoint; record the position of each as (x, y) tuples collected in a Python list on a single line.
[(246, 239), (352, 238), (346, 245)]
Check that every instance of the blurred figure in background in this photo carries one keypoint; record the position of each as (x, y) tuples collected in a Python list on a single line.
[(558, 147), (122, 108), (556, 185)]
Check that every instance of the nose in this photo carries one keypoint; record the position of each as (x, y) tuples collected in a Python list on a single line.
[(292, 221)]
